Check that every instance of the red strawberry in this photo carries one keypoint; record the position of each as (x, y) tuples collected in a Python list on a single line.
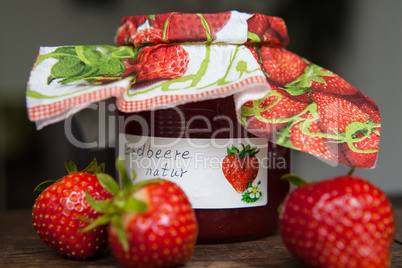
[(336, 113), (152, 223), (280, 65), (162, 62), (339, 222), (240, 167), (59, 214), (271, 114), (183, 27)]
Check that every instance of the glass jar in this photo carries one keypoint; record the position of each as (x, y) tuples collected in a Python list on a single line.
[(187, 144)]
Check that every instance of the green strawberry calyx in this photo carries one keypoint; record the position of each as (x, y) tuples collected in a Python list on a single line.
[(299, 181), (121, 202), (245, 151), (92, 168)]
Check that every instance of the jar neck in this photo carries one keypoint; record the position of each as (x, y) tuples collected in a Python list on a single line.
[(204, 120)]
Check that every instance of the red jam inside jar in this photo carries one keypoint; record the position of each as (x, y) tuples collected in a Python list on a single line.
[(206, 121)]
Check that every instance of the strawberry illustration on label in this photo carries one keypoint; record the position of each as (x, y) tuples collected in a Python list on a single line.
[(252, 194), (240, 167)]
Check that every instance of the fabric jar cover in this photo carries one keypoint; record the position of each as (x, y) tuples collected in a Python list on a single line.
[(165, 60)]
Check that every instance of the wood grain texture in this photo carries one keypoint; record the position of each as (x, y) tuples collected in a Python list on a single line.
[(21, 247)]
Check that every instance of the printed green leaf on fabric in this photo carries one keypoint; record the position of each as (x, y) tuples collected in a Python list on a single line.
[(89, 63)]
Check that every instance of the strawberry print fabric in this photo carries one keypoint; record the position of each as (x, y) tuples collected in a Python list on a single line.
[(313, 110), (230, 27), (169, 59)]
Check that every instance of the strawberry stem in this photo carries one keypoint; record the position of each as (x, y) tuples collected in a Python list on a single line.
[(43, 185), (293, 179), (125, 179), (351, 171), (123, 200), (108, 183), (70, 166)]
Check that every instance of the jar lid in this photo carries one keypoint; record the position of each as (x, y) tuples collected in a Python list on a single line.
[(229, 27), (162, 62)]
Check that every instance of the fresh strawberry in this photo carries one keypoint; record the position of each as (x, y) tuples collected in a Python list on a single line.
[(339, 222), (273, 112), (152, 223), (336, 113), (60, 212), (163, 235), (280, 65), (240, 167), (162, 62)]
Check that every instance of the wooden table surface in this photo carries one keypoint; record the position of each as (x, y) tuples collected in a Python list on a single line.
[(21, 247)]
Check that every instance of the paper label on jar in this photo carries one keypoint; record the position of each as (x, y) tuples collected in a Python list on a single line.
[(210, 177)]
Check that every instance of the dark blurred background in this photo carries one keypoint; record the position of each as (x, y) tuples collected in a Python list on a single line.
[(359, 40)]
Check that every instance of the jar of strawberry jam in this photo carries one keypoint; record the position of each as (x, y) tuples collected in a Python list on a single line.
[(189, 144), (171, 75)]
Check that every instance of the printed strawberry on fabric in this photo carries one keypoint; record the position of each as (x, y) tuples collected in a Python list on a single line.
[(165, 60), (313, 110), (229, 27)]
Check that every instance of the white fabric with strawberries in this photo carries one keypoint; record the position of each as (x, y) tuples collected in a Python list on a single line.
[(208, 72)]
